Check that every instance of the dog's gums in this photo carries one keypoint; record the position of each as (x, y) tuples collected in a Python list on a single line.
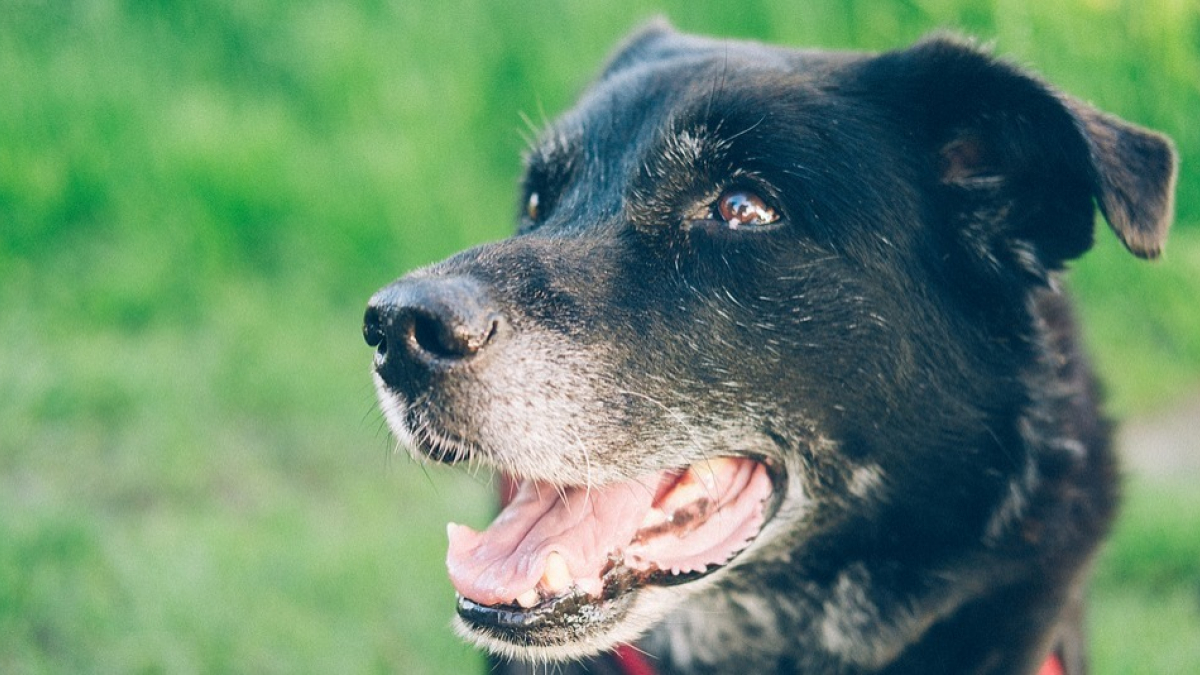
[(591, 543)]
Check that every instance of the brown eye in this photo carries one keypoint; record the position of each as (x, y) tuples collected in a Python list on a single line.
[(531, 206), (740, 208)]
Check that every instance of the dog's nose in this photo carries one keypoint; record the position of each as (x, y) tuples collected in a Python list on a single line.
[(431, 322)]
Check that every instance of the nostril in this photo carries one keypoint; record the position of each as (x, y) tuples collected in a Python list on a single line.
[(373, 329), (433, 336), (451, 340)]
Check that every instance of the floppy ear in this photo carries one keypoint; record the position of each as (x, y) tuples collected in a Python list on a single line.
[(1019, 167), (1134, 178)]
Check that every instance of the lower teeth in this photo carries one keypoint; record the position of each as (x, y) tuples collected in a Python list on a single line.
[(529, 598)]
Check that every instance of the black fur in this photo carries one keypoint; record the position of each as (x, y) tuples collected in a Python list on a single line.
[(898, 343)]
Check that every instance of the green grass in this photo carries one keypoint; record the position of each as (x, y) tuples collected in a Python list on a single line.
[(196, 199), (1145, 611)]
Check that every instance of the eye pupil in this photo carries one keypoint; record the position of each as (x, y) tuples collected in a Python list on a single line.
[(740, 208)]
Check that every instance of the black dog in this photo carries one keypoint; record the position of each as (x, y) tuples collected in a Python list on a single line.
[(778, 367)]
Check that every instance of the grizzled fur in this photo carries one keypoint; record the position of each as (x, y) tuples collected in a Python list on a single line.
[(898, 344)]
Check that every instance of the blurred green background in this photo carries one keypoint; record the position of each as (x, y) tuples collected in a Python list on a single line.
[(196, 200)]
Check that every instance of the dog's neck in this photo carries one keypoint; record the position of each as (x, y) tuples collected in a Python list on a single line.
[(858, 625)]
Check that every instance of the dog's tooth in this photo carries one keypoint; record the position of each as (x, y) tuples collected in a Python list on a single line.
[(556, 578), (529, 598)]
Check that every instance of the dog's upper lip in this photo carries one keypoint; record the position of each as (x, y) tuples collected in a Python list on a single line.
[(551, 539)]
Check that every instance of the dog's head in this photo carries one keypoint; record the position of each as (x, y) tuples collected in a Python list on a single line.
[(754, 295)]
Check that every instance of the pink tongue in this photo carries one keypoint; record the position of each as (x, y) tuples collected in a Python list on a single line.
[(583, 525), (673, 521)]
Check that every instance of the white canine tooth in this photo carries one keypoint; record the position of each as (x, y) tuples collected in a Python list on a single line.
[(529, 598), (556, 578)]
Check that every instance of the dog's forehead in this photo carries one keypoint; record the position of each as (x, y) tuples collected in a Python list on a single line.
[(674, 90), (674, 111)]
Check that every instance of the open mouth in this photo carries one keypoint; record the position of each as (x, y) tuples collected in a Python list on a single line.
[(564, 556)]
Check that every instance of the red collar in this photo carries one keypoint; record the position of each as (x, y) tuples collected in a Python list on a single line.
[(1053, 666), (630, 661)]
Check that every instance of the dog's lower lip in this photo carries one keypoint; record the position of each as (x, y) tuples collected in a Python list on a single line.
[(500, 616), (547, 614)]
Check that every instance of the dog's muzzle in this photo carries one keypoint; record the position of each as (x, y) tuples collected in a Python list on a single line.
[(562, 560)]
